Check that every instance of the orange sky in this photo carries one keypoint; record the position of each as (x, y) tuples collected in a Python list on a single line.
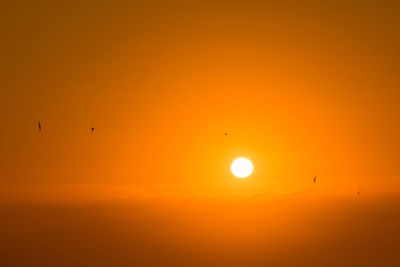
[(304, 88)]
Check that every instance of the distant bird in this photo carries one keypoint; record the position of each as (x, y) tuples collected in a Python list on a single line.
[(315, 178), (39, 126), (92, 129), (358, 192), (226, 134)]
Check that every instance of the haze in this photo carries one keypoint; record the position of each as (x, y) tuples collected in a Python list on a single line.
[(302, 89)]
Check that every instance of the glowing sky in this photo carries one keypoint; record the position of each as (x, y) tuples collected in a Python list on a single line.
[(302, 88)]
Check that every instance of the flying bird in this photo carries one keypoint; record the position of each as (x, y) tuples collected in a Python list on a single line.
[(92, 129), (39, 126), (315, 178)]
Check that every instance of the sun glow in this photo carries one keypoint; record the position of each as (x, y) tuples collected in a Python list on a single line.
[(241, 167)]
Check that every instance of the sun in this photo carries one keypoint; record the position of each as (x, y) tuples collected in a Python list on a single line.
[(242, 167)]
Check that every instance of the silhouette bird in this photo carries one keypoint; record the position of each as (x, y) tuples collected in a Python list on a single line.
[(315, 178), (39, 126), (92, 129), (226, 134)]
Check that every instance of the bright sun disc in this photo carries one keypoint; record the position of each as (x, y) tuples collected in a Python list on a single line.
[(241, 167)]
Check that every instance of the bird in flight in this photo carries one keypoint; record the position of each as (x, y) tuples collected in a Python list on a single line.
[(92, 129), (226, 134), (39, 126), (315, 178)]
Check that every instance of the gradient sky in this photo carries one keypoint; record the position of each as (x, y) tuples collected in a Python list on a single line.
[(303, 87)]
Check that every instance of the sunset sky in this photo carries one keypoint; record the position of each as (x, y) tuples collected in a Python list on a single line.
[(303, 89)]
